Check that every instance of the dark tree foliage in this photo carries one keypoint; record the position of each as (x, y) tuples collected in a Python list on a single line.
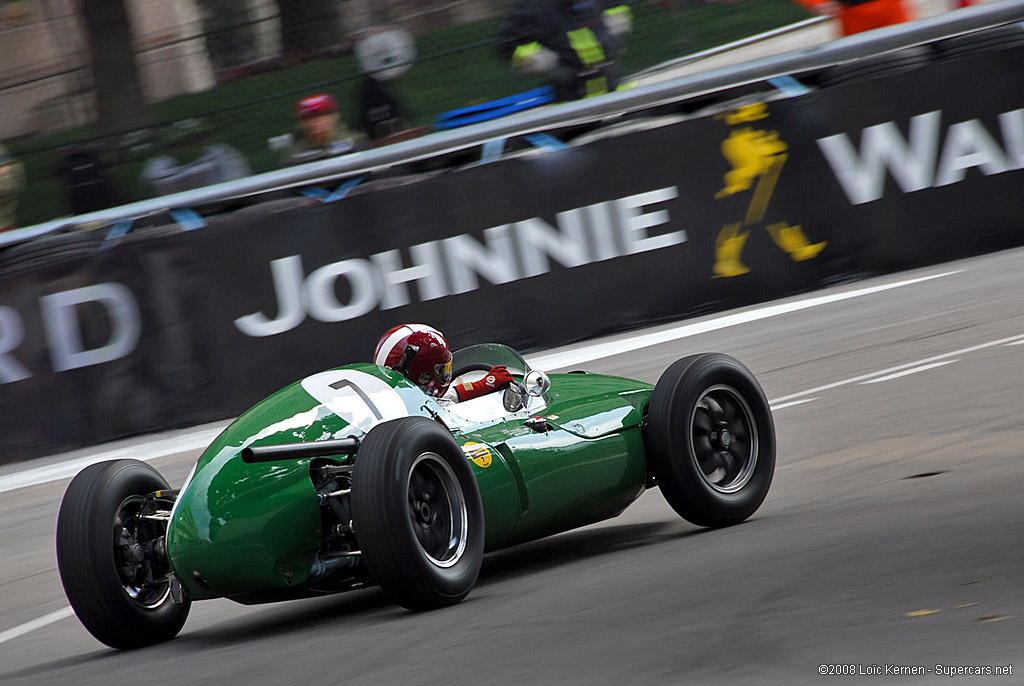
[(308, 27), (121, 105), (230, 33)]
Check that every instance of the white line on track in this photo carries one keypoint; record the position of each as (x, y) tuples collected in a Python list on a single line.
[(778, 406), (897, 368), (150, 450), (39, 623), (907, 372), (596, 351)]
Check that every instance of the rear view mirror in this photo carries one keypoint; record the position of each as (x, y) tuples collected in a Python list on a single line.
[(512, 399)]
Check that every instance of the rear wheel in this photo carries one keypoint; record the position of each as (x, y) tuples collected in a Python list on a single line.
[(417, 513), (111, 557), (711, 440)]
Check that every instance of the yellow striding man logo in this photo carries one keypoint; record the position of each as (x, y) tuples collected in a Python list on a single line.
[(756, 156)]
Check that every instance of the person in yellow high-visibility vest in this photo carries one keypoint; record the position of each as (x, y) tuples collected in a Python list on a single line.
[(573, 43)]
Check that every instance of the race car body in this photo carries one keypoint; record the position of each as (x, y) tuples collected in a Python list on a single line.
[(239, 527)]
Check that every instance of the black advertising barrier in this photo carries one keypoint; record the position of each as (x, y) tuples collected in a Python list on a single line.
[(749, 204), (102, 346), (918, 168)]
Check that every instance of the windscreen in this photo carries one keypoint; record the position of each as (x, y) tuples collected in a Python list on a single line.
[(491, 354)]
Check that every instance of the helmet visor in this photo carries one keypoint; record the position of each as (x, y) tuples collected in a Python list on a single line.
[(443, 373)]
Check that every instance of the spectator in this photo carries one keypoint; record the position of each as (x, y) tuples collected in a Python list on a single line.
[(381, 114), (573, 43), (321, 132), (856, 16), (12, 180)]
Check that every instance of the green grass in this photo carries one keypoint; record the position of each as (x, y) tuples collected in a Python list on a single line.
[(246, 112)]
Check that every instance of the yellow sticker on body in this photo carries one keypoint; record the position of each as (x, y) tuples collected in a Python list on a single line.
[(479, 453)]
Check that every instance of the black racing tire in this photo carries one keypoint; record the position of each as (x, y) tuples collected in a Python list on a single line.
[(876, 66), (417, 513), (48, 250), (986, 40), (95, 525), (711, 440)]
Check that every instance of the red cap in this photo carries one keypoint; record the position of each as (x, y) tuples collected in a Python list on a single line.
[(315, 104)]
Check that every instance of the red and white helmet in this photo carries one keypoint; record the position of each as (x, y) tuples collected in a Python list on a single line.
[(420, 353), (312, 105)]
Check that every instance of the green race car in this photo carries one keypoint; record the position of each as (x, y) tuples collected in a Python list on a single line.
[(354, 477)]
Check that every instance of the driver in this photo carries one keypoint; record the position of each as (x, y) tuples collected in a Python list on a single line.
[(421, 354)]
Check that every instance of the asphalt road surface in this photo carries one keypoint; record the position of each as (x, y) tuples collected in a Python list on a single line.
[(893, 536)]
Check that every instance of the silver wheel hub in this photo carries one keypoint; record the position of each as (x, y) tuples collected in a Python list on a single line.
[(437, 510), (723, 434)]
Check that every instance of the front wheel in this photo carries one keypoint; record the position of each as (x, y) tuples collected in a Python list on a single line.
[(417, 513), (711, 440), (111, 559)]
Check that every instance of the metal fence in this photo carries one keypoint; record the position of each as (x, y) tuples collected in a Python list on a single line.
[(224, 72)]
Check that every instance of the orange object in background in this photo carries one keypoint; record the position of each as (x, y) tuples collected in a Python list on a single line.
[(855, 18)]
